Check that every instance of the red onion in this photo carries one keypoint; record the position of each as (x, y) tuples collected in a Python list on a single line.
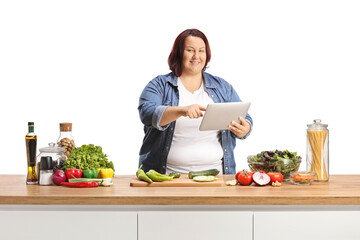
[(58, 177), (261, 178)]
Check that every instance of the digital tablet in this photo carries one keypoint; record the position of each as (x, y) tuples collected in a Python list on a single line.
[(218, 116)]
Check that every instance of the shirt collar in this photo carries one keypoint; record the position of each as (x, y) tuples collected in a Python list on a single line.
[(172, 79)]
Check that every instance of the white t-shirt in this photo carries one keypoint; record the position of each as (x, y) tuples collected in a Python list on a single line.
[(192, 149)]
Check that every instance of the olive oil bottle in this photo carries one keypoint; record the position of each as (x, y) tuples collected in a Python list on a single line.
[(31, 143)]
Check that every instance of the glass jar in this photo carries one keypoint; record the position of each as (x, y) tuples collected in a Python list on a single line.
[(317, 150), (66, 139), (56, 153)]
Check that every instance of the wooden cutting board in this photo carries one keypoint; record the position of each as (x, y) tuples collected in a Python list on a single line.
[(183, 181)]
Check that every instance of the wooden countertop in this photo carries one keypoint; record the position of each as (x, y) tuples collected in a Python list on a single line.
[(340, 190)]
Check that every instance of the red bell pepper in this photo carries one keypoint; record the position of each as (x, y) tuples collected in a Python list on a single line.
[(73, 173)]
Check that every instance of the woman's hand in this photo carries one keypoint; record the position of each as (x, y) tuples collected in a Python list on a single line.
[(173, 113), (192, 111), (240, 129)]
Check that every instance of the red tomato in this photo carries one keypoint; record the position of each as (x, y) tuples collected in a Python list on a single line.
[(275, 176), (245, 177), (237, 175)]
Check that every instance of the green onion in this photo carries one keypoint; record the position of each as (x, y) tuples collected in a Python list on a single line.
[(85, 180)]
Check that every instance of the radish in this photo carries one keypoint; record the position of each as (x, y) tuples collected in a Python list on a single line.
[(261, 178)]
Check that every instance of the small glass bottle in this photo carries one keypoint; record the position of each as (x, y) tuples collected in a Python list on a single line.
[(317, 152), (31, 144), (66, 139)]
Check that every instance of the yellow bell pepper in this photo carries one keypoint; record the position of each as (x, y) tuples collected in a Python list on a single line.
[(106, 173)]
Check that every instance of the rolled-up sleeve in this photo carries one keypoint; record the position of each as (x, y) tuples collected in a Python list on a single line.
[(151, 106)]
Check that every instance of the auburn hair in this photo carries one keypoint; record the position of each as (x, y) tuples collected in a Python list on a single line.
[(177, 52)]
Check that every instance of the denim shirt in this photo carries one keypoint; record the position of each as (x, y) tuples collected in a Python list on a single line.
[(162, 92)]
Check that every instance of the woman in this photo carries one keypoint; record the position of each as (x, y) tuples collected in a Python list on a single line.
[(171, 106)]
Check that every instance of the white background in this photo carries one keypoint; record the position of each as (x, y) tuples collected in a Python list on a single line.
[(86, 62)]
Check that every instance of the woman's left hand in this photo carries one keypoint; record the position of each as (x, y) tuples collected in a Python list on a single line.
[(240, 129)]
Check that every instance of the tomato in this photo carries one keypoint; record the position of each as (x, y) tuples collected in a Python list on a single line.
[(237, 175), (245, 177), (275, 176)]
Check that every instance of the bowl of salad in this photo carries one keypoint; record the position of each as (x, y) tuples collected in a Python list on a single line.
[(284, 162)]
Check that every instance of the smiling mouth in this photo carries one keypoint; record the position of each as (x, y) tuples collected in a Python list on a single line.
[(195, 62)]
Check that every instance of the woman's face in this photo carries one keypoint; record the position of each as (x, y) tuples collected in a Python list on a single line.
[(194, 56)]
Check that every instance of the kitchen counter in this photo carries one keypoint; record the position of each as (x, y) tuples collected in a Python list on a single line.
[(155, 213), (340, 190)]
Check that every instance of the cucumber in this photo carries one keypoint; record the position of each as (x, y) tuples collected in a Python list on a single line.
[(205, 178), (175, 174), (211, 172)]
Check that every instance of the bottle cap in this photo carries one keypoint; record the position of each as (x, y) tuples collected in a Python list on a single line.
[(65, 127), (46, 163), (31, 127)]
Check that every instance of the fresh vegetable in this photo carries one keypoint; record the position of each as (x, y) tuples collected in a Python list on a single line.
[(58, 177), (158, 177), (93, 173), (87, 157), (237, 175), (86, 180), (102, 182), (275, 177), (302, 178), (73, 173), (245, 178), (140, 174), (284, 162), (107, 182), (175, 174), (80, 184), (211, 172), (106, 173), (205, 178), (261, 178)]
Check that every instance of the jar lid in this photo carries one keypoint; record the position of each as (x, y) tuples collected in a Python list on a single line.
[(65, 127), (52, 149), (317, 125)]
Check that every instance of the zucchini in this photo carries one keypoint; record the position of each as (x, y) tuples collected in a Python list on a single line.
[(205, 178), (211, 172), (175, 174)]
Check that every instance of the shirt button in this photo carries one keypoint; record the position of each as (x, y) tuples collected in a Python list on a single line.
[(224, 131), (225, 150), (171, 129), (163, 166), (226, 168), (167, 148)]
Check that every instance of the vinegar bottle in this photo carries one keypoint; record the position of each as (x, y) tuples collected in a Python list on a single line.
[(31, 142)]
